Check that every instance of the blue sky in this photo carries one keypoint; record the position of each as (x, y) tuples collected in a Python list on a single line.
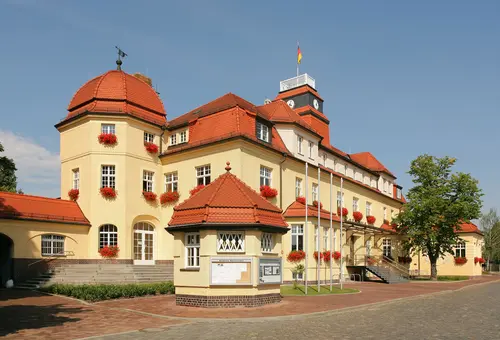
[(399, 78)]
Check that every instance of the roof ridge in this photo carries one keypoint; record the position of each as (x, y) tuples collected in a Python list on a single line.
[(35, 196)]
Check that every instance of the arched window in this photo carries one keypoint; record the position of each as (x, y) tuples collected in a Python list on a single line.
[(108, 235), (52, 245)]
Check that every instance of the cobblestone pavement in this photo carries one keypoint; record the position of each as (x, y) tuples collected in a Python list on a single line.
[(469, 313)]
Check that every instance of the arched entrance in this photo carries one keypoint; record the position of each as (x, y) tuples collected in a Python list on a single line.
[(144, 234), (6, 253)]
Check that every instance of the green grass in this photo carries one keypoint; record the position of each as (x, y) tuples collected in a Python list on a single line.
[(313, 290), (442, 278)]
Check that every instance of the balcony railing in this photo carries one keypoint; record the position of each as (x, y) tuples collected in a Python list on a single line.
[(303, 79)]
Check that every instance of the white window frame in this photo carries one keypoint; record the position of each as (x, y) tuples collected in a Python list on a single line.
[(76, 179), (460, 249), (183, 136), (324, 159), (108, 176), (262, 132), (267, 242), (326, 238), (398, 193), (222, 245), (265, 175), (368, 210), (171, 181), (316, 237), (311, 149), (355, 204), (314, 192), (297, 233), (298, 187), (173, 139), (387, 247), (108, 129), (340, 200), (203, 173), (149, 137), (189, 246), (148, 184), (300, 140), (52, 245), (108, 235)]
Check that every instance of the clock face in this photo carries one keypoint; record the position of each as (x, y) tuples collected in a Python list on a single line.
[(316, 104), (291, 103)]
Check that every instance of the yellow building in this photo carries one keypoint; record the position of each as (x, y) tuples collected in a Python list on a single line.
[(127, 167)]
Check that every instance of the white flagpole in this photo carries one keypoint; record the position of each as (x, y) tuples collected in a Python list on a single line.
[(341, 276), (306, 239), (332, 245), (318, 263)]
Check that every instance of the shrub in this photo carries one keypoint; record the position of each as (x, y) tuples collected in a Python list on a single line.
[(268, 192), (196, 189), (149, 196), (370, 219), (107, 138), (169, 197), (151, 147), (108, 192), (73, 194), (114, 291), (357, 215)]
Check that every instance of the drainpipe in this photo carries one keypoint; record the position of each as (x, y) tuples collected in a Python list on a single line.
[(163, 129), (281, 180)]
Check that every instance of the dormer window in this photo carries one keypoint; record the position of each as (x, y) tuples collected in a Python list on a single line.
[(311, 146), (262, 132), (398, 193), (173, 139), (299, 145), (183, 136), (149, 137)]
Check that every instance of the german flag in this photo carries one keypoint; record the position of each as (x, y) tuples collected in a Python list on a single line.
[(299, 54)]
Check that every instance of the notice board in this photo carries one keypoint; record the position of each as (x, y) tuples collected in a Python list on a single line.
[(230, 271)]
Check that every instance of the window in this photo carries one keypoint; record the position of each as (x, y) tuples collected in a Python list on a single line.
[(192, 250), (265, 176), (231, 241), (311, 145), (267, 243), (203, 175), (173, 139), (108, 128), (298, 187), (52, 245), (183, 136), (460, 249), (297, 237), (368, 247), (326, 239), (385, 213), (386, 247), (108, 235), (398, 193), (340, 199), (316, 237), (314, 192), (262, 132), (171, 181), (108, 176), (368, 209), (147, 181), (299, 145), (149, 137), (76, 178), (386, 185), (324, 159), (355, 204)]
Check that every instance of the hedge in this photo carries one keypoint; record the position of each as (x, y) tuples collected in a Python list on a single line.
[(112, 291)]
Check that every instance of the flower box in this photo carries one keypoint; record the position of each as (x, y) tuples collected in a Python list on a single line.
[(268, 192), (149, 196), (460, 260), (107, 138), (344, 213), (109, 251), (151, 147), (301, 199), (196, 189), (108, 192), (73, 194), (336, 255), (370, 219), (296, 256), (315, 203), (169, 197), (315, 255), (358, 216)]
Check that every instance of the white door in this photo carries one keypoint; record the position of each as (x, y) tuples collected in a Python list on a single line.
[(144, 243)]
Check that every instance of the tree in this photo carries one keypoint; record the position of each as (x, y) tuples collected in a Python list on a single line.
[(490, 224), (437, 205), (8, 179)]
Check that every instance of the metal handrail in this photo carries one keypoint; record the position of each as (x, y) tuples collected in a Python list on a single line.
[(378, 261), (62, 253), (397, 266)]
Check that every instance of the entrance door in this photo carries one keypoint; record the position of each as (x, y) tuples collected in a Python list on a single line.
[(352, 249), (144, 243), (6, 247)]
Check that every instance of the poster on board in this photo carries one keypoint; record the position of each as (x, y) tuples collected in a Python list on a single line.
[(270, 271), (230, 271)]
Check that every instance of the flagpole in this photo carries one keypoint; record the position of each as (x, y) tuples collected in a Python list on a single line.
[(297, 59), (341, 276), (332, 245), (306, 239), (318, 263)]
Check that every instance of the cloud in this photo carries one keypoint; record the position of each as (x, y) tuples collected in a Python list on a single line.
[(38, 169)]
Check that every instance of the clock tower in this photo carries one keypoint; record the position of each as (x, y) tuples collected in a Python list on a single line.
[(301, 95)]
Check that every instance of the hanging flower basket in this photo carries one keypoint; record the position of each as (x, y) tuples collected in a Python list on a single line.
[(151, 147), (370, 219), (315, 203), (109, 252), (301, 199), (196, 189), (296, 256), (336, 255), (149, 196), (73, 194), (169, 197), (108, 192), (345, 212), (358, 216), (327, 256), (268, 192), (107, 138), (479, 260), (315, 255), (460, 260)]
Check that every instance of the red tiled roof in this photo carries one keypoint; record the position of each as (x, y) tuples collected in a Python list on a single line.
[(305, 109), (227, 200), (297, 209), (279, 112), (369, 161), (27, 207), (388, 227), (297, 91), (118, 92), (464, 228)]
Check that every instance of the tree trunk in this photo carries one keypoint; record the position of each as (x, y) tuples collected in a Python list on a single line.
[(433, 269)]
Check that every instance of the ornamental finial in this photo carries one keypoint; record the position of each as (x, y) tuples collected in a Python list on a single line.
[(119, 62), (228, 168)]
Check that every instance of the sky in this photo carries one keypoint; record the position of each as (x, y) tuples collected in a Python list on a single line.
[(399, 78)]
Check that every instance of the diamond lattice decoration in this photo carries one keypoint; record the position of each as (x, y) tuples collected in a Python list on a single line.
[(266, 243), (231, 241)]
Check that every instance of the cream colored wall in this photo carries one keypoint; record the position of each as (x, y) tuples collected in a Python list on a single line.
[(27, 237)]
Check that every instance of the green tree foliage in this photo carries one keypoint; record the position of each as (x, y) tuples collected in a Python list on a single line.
[(490, 224), (438, 203), (8, 179)]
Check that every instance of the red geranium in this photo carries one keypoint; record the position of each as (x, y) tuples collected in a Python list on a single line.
[(169, 197), (108, 192), (460, 260), (149, 196), (268, 192), (345, 212), (196, 189), (315, 203), (301, 199), (358, 216), (73, 194), (327, 256), (370, 219), (315, 254), (296, 256), (336, 255), (479, 260), (107, 138), (151, 147), (109, 251)]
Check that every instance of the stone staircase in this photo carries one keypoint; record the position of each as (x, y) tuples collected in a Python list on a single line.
[(101, 273), (386, 274)]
